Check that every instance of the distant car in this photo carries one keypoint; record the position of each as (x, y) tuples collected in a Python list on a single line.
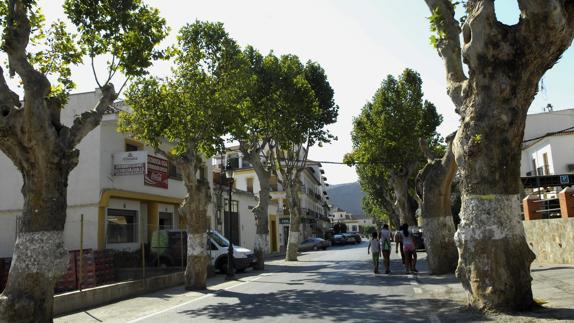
[(314, 244), (357, 236), (338, 239), (350, 238)]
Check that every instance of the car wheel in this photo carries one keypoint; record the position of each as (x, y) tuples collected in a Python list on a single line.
[(315, 248), (324, 248)]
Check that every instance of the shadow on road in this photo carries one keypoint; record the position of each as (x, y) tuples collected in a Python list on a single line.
[(315, 305)]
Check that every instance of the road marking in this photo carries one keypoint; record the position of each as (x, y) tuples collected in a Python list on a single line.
[(432, 316), (195, 299)]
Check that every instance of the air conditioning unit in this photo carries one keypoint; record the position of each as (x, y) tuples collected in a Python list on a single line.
[(570, 167), (529, 173)]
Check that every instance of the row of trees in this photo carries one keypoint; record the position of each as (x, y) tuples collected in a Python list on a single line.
[(275, 106), (504, 65)]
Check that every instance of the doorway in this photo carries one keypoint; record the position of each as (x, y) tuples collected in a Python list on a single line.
[(273, 236)]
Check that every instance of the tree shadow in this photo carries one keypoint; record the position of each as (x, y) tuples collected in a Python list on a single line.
[(335, 305)]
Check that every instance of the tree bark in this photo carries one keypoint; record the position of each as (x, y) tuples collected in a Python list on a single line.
[(261, 210), (433, 187), (195, 209), (44, 152), (401, 188), (505, 64), (292, 191)]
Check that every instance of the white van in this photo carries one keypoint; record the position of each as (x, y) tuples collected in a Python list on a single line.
[(168, 247)]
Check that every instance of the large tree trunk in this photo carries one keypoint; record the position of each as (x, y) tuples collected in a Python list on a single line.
[(292, 191), (44, 151), (433, 186), (505, 64), (401, 189), (39, 257), (195, 207), (261, 210)]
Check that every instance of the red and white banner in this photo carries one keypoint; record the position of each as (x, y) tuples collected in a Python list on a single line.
[(157, 172)]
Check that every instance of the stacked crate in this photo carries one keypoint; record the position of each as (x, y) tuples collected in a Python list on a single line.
[(68, 281), (88, 268), (104, 267)]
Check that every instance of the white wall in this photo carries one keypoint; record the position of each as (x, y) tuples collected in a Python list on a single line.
[(539, 124)]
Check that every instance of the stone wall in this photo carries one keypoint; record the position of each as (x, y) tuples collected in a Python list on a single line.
[(552, 240)]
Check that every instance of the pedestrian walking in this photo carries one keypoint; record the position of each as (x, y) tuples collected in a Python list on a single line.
[(386, 247), (408, 247), (399, 244), (375, 249)]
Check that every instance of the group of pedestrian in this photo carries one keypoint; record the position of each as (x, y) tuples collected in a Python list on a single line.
[(380, 245)]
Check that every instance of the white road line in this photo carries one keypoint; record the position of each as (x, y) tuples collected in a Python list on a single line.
[(432, 316), (194, 300)]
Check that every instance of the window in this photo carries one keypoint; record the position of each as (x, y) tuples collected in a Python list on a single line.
[(174, 172), (122, 226), (546, 165), (250, 184), (133, 146), (165, 220)]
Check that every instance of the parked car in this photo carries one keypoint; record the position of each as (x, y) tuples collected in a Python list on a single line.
[(350, 238), (169, 248), (338, 239), (314, 244), (357, 236)]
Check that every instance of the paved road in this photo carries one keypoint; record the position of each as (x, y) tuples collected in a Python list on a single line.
[(323, 286)]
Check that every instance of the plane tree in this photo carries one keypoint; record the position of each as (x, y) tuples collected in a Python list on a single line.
[(32, 134), (190, 112), (504, 66), (386, 140), (305, 105), (253, 129)]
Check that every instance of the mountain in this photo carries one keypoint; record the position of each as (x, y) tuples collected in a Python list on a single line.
[(347, 196)]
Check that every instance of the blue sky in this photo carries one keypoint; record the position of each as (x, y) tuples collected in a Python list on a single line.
[(358, 43)]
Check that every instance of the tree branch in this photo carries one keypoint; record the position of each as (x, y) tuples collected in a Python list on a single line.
[(16, 38), (423, 144), (91, 119), (449, 48)]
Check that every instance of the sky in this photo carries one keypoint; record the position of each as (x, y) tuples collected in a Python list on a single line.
[(357, 42)]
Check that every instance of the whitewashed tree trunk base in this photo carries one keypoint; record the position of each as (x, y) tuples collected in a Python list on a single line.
[(39, 261), (494, 263), (292, 246), (260, 250), (197, 256)]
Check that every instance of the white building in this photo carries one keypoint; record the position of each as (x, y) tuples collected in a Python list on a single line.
[(354, 223), (548, 145), (123, 190), (313, 198)]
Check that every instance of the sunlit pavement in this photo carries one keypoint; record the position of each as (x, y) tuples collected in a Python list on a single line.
[(323, 286)]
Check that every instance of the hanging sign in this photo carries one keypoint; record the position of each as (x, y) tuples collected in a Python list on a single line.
[(157, 172)]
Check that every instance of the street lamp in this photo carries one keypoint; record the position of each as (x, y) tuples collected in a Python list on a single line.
[(230, 268)]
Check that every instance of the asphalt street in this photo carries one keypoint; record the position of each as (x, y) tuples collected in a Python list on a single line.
[(332, 285)]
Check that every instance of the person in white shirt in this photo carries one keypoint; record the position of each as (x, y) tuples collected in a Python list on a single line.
[(386, 247), (375, 249)]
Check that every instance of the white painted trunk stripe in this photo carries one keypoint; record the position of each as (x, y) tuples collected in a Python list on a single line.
[(197, 244), (40, 252)]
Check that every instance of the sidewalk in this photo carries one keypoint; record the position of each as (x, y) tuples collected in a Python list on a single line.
[(552, 286)]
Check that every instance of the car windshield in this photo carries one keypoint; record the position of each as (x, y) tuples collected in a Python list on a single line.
[(218, 238)]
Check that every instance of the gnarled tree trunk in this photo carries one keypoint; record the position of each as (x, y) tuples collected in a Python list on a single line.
[(505, 64), (43, 149), (400, 183), (195, 207), (292, 191), (261, 210), (433, 187)]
